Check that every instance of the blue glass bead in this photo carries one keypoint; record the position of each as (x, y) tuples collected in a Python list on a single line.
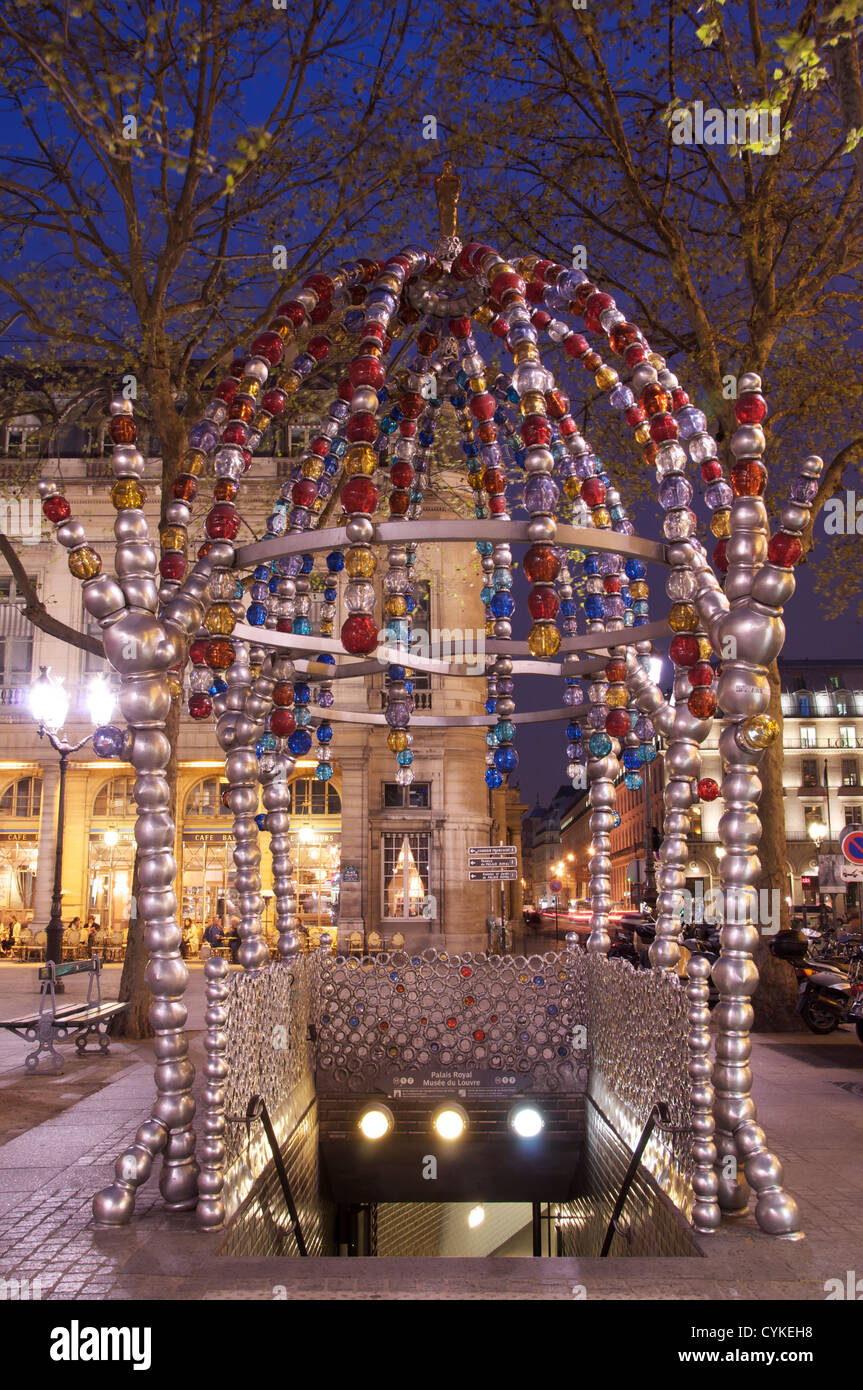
[(218, 687), (493, 779), (568, 608), (303, 715), (505, 731), (502, 578), (409, 685), (299, 742), (398, 631), (635, 569), (268, 743), (389, 425), (326, 658), (324, 733), (490, 706), (631, 759), (647, 752), (484, 547), (404, 758), (502, 605), (330, 595), (335, 561), (396, 673), (518, 456), (599, 745), (302, 627), (256, 614), (261, 573), (331, 465), (203, 436), (491, 739), (632, 780), (426, 438), (591, 564), (302, 693), (486, 593), (323, 771), (593, 606), (640, 606), (261, 820), (573, 730), (506, 759), (615, 819)]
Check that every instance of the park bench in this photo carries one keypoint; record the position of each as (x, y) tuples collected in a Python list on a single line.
[(70, 1022)]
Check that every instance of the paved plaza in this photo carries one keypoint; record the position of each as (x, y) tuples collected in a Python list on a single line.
[(59, 1137)]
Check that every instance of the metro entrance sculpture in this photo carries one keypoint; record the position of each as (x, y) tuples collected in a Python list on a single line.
[(238, 617)]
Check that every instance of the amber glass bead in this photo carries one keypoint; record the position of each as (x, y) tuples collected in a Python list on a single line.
[(395, 606), (572, 486), (290, 383), (477, 384), (702, 703), (758, 731), (361, 458), (127, 492), (175, 686), (656, 360), (220, 654), (85, 563), (524, 352), (615, 671), (650, 452), (591, 361), (606, 377), (489, 627), (601, 517), (220, 620), (360, 563), (250, 386), (642, 433), (654, 399), (720, 523), (682, 618), (616, 696), (748, 478), (225, 490), (173, 538), (705, 651), (312, 467), (327, 628), (639, 589), (193, 462), (185, 489), (397, 741), (543, 640), (242, 410), (533, 403), (123, 429)]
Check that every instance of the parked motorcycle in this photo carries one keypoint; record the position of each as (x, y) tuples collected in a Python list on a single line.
[(826, 995)]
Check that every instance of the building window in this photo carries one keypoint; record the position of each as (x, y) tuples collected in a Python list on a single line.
[(695, 831), (803, 708), (832, 682), (847, 736), (421, 621), (204, 800), (406, 875), (807, 736), (810, 773), (854, 815), (811, 816), (22, 798), (416, 795), (115, 798), (842, 704), (309, 797), (850, 774), (16, 636)]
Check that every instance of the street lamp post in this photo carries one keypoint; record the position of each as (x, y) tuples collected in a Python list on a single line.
[(817, 830), (49, 705)]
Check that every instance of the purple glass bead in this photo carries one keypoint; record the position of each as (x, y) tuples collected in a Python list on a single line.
[(203, 436), (718, 495), (553, 299), (607, 563), (522, 333), (644, 728), (569, 628), (505, 686), (622, 398), (804, 490), (325, 699), (259, 592), (585, 466), (623, 527), (398, 714), (570, 694), (690, 421), (491, 455), (108, 741), (569, 283), (303, 364), (596, 716), (613, 606), (541, 493), (675, 491)]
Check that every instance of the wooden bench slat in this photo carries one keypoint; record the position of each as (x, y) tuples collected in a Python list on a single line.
[(70, 1014)]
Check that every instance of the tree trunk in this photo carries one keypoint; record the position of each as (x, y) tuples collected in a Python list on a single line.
[(776, 996)]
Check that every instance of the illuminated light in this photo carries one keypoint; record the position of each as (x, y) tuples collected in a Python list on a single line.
[(475, 1217), (49, 702), (526, 1121), (376, 1122), (100, 700), (111, 838), (450, 1122)]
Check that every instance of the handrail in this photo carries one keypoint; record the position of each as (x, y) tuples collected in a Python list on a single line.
[(657, 1119), (257, 1110)]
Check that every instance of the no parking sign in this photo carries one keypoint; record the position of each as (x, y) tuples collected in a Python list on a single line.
[(851, 844)]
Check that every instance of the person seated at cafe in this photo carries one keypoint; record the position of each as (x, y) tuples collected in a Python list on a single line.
[(213, 934)]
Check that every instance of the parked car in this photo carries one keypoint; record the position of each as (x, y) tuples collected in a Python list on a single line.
[(531, 913)]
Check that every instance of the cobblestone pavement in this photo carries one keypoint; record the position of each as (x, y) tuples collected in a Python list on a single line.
[(810, 1096)]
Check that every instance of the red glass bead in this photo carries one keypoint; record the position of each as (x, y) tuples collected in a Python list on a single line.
[(223, 522), (319, 348), (784, 550), (399, 501), (711, 471), (367, 371), (497, 504), (359, 494), (204, 549), (304, 492), (541, 564), (557, 404), (720, 557), (283, 694), (359, 634), (634, 416), (702, 703), (750, 408), (237, 368), (540, 318), (407, 428), (225, 490), (185, 488), (56, 509), (593, 492), (543, 604), (220, 654), (235, 433), (172, 565), (361, 428), (701, 673), (499, 327), (635, 354), (401, 474), (748, 478), (320, 283), (612, 585), (534, 292), (225, 391), (575, 345), (615, 671), (567, 426), (346, 391), (679, 398), (459, 328), (596, 305), (618, 723), (247, 459), (285, 625), (582, 295), (708, 789), (123, 429), (663, 427), (535, 431), (412, 405), (622, 336), (200, 705), (483, 406), (198, 651), (452, 1022), (270, 347), (494, 480), (684, 649), (293, 311), (321, 311), (507, 286), (479, 1035), (282, 723)]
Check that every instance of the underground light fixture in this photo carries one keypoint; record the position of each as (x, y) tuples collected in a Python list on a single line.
[(376, 1122), (526, 1121), (451, 1122), (475, 1217)]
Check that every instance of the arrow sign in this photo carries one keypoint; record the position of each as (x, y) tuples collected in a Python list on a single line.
[(491, 875), (484, 861), (495, 851), (851, 843)]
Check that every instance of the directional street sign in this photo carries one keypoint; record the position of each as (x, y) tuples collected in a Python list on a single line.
[(491, 875), (495, 851), (852, 873), (851, 843), (483, 861)]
